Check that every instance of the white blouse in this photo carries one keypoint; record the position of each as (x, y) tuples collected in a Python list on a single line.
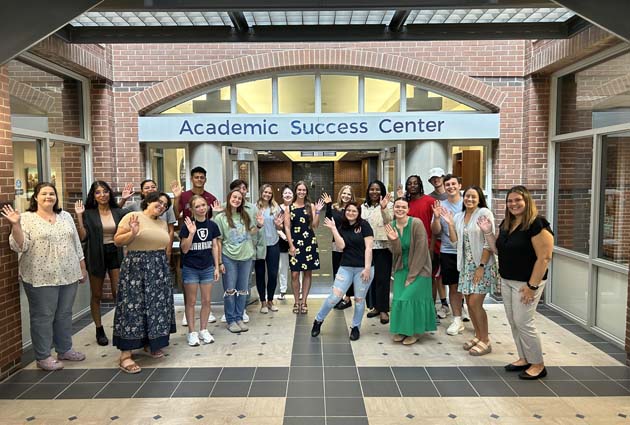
[(51, 252)]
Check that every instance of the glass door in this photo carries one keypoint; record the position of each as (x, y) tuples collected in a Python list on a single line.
[(241, 163), (391, 163)]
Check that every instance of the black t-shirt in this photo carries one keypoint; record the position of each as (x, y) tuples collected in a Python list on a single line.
[(354, 252), (516, 252), (282, 243), (199, 256)]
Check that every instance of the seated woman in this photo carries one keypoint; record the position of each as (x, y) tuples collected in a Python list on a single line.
[(412, 312), (354, 237)]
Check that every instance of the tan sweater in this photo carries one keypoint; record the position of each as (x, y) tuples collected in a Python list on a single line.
[(152, 234), (419, 260)]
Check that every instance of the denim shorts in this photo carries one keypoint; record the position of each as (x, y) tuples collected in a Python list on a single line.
[(192, 276)]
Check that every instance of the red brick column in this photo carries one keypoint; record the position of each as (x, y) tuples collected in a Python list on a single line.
[(10, 320)]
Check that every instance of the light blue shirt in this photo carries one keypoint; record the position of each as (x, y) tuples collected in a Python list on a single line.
[(447, 246), (271, 233)]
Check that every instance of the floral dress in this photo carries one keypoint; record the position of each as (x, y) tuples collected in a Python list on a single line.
[(490, 273), (304, 240)]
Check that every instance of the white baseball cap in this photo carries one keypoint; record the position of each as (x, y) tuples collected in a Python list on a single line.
[(436, 172)]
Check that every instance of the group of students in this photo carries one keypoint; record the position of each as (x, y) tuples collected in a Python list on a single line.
[(416, 240)]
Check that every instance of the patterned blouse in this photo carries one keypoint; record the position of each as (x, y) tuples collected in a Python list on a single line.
[(51, 252)]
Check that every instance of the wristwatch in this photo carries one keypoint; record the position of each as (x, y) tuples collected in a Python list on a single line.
[(482, 265), (532, 287)]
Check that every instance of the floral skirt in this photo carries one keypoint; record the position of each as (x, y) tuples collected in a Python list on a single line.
[(145, 314)]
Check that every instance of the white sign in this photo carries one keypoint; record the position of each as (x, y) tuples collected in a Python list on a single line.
[(324, 127)]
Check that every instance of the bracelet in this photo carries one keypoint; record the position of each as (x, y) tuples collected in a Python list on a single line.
[(487, 234), (316, 212), (532, 287)]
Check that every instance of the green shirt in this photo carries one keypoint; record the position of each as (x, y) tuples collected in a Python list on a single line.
[(237, 241)]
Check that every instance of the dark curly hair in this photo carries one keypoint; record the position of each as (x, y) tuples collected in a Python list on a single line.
[(420, 186), (90, 202), (154, 197)]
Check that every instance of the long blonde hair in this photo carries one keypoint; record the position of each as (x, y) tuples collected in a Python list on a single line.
[(530, 214), (339, 204), (262, 204)]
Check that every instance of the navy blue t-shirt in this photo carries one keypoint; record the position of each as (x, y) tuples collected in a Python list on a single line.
[(199, 256)]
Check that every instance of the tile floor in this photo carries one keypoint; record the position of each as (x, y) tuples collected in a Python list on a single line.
[(278, 374)]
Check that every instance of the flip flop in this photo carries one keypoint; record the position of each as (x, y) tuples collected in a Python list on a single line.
[(155, 354), (128, 365)]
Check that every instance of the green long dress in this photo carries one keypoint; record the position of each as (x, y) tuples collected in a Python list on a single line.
[(412, 309)]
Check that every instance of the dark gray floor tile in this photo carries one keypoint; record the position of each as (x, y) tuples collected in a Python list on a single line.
[(445, 373), (268, 389), (43, 391), (27, 377), (624, 383), (375, 374), (615, 372), (493, 388), (568, 389), (620, 357), (271, 374), (306, 339), (341, 373), (306, 374), (380, 389), (231, 389), (63, 376), (358, 420), (305, 389), (337, 338), (304, 421), (585, 373), (576, 329), (508, 376), (343, 389), (81, 390), (9, 391), (530, 389), (306, 360), (589, 337), (556, 373), (479, 373), (339, 360), (607, 347), (455, 389), (418, 389), (337, 348), (193, 389), (307, 349), (345, 407), (158, 389), (410, 374), (202, 374), (308, 407), (237, 374), (98, 375), (133, 377), (169, 374), (606, 388), (119, 390)]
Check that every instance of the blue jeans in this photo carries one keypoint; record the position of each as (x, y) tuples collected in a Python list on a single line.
[(236, 287), (272, 263), (347, 276)]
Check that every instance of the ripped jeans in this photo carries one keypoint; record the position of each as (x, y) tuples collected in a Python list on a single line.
[(345, 277), (236, 287)]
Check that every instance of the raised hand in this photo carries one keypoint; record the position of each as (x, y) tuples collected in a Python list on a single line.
[(319, 205), (447, 215), (127, 191), (190, 225), (437, 209), (326, 198), (392, 234), (134, 224), (216, 206), (12, 215), (330, 223), (385, 200), (79, 208), (399, 191), (278, 220), (484, 224), (176, 189), (260, 219)]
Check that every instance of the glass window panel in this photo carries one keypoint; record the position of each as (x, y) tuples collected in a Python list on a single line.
[(214, 102), (340, 94), (614, 234), (167, 165), (254, 97), (389, 174), (66, 172), (296, 94), (43, 101), (574, 162), (612, 296), (569, 285), (595, 97), (26, 171), (419, 99), (469, 163), (382, 95)]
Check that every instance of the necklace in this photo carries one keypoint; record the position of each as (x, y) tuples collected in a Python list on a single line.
[(49, 218)]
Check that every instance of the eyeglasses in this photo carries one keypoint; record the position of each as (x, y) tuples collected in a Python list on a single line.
[(162, 204)]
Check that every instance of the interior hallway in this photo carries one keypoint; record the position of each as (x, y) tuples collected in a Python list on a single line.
[(278, 374)]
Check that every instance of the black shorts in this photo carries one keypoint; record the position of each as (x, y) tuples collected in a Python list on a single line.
[(110, 257), (450, 275), (435, 265)]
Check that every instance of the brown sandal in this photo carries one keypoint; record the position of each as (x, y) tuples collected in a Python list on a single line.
[(128, 365), (470, 344), (480, 349), (304, 308), (296, 308)]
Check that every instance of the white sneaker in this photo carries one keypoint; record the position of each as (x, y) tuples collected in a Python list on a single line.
[(184, 321), (211, 318), (223, 320), (442, 311), (456, 327), (206, 337), (264, 309), (465, 316), (245, 317), (193, 339)]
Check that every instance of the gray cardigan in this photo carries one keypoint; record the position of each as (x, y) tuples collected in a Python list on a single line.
[(93, 242)]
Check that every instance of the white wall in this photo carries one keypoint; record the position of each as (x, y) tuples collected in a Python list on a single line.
[(422, 155), (208, 156)]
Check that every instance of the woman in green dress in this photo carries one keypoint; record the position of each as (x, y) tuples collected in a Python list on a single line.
[(412, 312)]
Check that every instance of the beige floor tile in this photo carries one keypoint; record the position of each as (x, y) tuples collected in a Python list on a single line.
[(385, 407)]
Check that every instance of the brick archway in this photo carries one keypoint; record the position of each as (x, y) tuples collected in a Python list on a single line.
[(318, 59)]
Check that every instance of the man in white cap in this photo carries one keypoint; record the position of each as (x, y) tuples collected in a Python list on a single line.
[(436, 178)]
